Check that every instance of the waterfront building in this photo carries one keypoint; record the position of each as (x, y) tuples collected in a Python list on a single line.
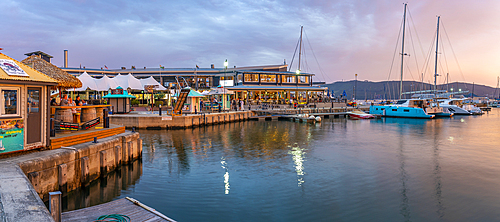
[(24, 110), (253, 84)]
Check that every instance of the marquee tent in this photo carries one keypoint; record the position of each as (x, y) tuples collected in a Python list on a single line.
[(152, 81), (128, 81), (88, 82), (105, 83)]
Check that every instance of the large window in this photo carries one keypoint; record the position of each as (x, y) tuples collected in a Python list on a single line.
[(251, 77), (288, 79), (10, 104), (267, 78)]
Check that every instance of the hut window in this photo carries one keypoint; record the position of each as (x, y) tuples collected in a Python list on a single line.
[(9, 107)]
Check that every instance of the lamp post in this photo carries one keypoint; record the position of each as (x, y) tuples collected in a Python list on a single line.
[(223, 87)]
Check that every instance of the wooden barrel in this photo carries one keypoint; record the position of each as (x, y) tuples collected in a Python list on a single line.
[(64, 115), (88, 114), (99, 112)]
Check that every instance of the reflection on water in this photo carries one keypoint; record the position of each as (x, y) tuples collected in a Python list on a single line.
[(104, 189), (340, 170)]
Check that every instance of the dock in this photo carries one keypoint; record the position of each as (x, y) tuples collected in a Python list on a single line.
[(130, 207)]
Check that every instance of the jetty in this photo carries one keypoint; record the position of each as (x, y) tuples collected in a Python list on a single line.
[(128, 207)]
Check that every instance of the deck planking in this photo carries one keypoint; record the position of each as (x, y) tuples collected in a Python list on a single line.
[(121, 206)]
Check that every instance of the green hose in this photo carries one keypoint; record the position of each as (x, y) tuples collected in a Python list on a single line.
[(113, 218)]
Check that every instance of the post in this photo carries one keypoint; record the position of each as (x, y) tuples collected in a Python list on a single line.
[(159, 112), (55, 205)]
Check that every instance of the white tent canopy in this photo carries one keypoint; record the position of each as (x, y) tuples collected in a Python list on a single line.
[(88, 82), (105, 83), (128, 81), (152, 81)]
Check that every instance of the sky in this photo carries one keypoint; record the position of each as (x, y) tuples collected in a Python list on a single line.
[(341, 38)]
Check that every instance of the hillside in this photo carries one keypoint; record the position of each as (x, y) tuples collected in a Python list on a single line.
[(390, 89)]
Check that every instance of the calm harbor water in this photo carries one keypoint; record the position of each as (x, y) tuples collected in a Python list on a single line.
[(339, 170)]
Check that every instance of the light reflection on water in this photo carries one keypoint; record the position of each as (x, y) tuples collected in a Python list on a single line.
[(384, 170)]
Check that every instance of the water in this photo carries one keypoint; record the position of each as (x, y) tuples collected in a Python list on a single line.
[(339, 170)]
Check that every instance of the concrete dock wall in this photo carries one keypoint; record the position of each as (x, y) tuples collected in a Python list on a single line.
[(142, 121), (66, 169)]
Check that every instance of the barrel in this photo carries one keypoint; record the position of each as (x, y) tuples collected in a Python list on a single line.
[(88, 114), (64, 115), (99, 112)]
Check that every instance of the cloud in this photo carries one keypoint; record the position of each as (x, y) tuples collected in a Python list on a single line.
[(346, 37)]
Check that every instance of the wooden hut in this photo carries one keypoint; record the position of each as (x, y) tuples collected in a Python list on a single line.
[(119, 99), (64, 80), (24, 116)]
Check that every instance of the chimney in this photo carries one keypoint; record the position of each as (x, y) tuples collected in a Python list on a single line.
[(65, 58), (212, 66)]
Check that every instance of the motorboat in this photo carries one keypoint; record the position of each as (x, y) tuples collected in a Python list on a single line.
[(355, 115), (457, 106)]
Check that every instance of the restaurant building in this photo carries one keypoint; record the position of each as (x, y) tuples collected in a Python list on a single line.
[(24, 110), (252, 84)]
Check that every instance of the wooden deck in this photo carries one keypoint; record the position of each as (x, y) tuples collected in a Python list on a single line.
[(125, 206), (84, 136)]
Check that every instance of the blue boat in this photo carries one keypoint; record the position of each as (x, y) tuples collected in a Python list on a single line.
[(399, 111)]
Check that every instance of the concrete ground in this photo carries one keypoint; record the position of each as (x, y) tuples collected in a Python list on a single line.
[(18, 199)]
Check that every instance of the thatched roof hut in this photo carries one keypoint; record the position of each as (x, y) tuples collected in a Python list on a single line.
[(64, 79)]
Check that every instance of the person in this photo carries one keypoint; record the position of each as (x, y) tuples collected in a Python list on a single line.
[(72, 103), (78, 101), (241, 105), (64, 100), (53, 102), (201, 105)]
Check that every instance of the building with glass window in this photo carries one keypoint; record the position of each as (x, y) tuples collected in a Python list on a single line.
[(24, 108), (252, 84)]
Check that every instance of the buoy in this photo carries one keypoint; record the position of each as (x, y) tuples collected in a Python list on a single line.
[(318, 119)]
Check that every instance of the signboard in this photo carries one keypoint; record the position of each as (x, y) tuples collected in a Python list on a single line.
[(116, 91), (11, 68), (91, 123), (166, 118), (67, 126), (225, 83), (11, 135), (149, 88)]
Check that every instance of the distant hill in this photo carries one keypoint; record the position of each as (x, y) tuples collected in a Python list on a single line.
[(390, 89)]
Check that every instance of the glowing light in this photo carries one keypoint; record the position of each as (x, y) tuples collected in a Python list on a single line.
[(297, 71), (298, 159), (226, 175)]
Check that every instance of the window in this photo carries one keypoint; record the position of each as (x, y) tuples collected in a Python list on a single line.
[(251, 77), (406, 110), (394, 110), (9, 106), (267, 78), (303, 79), (288, 79)]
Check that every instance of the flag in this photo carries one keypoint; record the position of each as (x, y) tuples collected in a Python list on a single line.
[(162, 67), (133, 67), (105, 67), (197, 67)]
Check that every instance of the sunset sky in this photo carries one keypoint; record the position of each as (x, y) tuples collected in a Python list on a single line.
[(346, 37)]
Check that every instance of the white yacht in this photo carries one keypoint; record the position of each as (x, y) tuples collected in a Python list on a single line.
[(457, 106)]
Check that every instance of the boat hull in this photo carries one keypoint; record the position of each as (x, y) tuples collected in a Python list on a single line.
[(399, 111)]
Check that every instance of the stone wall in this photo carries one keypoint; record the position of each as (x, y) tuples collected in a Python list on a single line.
[(142, 121), (66, 169)]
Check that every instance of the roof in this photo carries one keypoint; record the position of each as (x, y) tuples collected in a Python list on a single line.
[(299, 88), (34, 75), (38, 53), (64, 79), (192, 93)]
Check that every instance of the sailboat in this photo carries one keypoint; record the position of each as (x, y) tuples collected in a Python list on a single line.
[(400, 110)]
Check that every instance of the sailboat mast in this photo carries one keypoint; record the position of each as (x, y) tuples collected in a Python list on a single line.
[(402, 55), (300, 45), (436, 62)]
